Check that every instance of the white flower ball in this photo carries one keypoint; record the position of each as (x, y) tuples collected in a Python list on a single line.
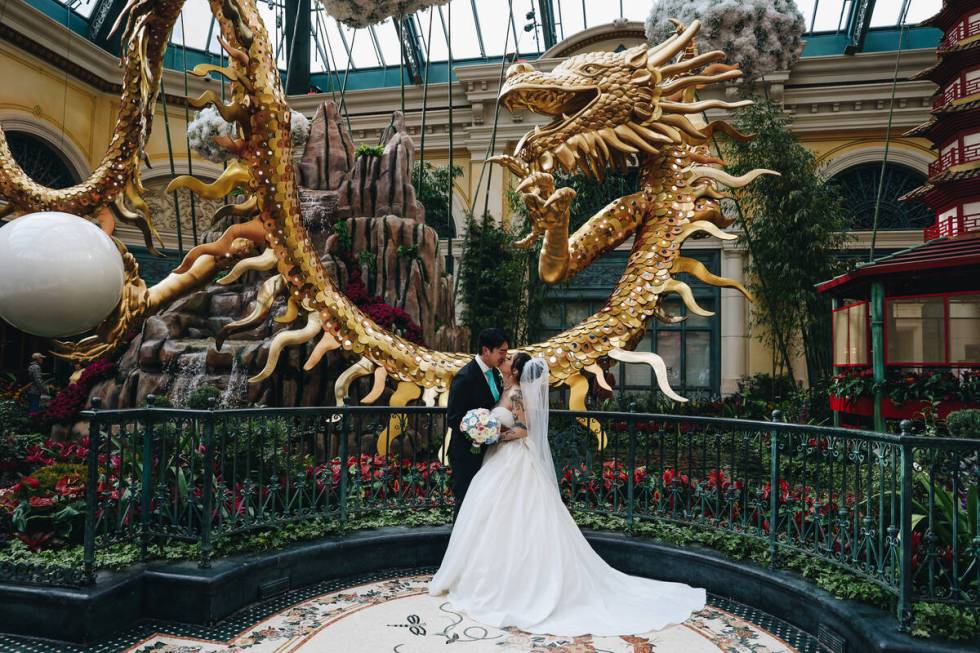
[(759, 36), (60, 275)]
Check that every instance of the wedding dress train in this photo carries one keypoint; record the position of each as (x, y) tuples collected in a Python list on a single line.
[(517, 558)]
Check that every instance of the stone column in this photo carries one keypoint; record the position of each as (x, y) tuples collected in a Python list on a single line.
[(734, 321)]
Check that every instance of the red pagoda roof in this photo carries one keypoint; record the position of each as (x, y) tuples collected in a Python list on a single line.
[(946, 121), (937, 254), (947, 176), (950, 13), (951, 62)]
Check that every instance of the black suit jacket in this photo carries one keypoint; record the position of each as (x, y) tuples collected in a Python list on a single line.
[(468, 390)]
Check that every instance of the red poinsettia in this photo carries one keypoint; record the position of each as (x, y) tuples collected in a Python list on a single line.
[(385, 315)]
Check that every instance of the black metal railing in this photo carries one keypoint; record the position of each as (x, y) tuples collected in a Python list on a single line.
[(898, 510)]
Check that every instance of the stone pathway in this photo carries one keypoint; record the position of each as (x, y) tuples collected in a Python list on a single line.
[(392, 613)]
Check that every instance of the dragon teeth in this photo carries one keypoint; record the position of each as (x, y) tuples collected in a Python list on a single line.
[(547, 161), (566, 156)]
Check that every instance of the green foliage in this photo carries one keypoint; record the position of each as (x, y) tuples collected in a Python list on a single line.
[(825, 575), (964, 423), (49, 475), (162, 401), (120, 555), (13, 449), (947, 509), (950, 621), (493, 281), (369, 150), (13, 417), (432, 191), (756, 399), (201, 398), (368, 260), (344, 241), (764, 387), (930, 619), (407, 251), (591, 196), (784, 216)]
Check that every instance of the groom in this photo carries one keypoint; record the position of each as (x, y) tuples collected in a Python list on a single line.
[(477, 385)]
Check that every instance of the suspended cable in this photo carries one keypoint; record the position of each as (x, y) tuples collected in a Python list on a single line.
[(513, 27), (561, 22), (401, 59), (343, 89), (496, 119), (479, 29), (539, 21), (187, 121), (425, 98), (888, 129), (173, 169), (326, 55), (64, 105), (332, 56), (292, 46), (451, 262), (377, 47)]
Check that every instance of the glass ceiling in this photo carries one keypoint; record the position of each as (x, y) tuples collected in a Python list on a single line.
[(480, 29)]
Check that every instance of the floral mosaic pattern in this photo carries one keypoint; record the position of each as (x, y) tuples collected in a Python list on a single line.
[(398, 615)]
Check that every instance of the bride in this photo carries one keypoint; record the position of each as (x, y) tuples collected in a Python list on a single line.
[(516, 556)]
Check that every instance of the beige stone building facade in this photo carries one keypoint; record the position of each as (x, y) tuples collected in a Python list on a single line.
[(61, 89)]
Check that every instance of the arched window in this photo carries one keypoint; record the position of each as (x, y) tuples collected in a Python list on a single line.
[(859, 185), (40, 160)]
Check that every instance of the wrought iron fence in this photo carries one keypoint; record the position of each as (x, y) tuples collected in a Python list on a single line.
[(848, 497)]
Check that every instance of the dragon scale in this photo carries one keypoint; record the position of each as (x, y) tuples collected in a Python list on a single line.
[(609, 109)]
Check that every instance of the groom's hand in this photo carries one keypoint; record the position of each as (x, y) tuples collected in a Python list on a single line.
[(513, 434)]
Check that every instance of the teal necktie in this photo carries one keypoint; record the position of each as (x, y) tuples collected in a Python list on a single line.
[(493, 386)]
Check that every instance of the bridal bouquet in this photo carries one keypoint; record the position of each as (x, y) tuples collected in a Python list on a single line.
[(480, 427)]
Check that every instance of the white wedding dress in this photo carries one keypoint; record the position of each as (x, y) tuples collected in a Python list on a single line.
[(517, 558)]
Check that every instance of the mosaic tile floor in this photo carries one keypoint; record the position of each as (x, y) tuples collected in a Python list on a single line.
[(390, 612)]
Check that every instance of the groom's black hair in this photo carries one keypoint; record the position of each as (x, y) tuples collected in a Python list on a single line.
[(492, 338)]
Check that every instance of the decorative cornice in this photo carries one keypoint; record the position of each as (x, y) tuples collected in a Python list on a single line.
[(618, 30), (31, 31)]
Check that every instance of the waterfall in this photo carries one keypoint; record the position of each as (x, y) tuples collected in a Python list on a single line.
[(236, 392), (189, 376)]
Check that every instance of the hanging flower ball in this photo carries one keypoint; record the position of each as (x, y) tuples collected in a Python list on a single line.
[(361, 13), (208, 123), (201, 131), (299, 132), (60, 275), (759, 36)]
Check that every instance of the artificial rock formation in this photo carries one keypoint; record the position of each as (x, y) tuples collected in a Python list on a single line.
[(397, 254)]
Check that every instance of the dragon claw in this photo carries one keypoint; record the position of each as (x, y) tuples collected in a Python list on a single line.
[(513, 164)]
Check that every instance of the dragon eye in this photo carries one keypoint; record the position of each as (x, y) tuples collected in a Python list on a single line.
[(590, 69)]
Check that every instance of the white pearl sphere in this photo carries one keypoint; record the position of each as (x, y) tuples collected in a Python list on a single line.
[(60, 275)]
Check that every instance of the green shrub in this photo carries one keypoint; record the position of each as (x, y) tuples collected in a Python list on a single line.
[(162, 401), (13, 417), (201, 398), (964, 423), (369, 150), (949, 621), (493, 281), (432, 191), (49, 476)]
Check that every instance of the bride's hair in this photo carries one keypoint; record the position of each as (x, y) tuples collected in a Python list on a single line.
[(517, 364)]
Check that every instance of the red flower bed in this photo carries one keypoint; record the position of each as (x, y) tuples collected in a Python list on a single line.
[(385, 315), (65, 406)]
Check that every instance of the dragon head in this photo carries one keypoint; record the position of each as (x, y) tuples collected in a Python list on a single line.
[(608, 106)]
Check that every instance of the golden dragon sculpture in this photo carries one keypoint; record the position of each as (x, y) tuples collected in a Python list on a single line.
[(609, 109)]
